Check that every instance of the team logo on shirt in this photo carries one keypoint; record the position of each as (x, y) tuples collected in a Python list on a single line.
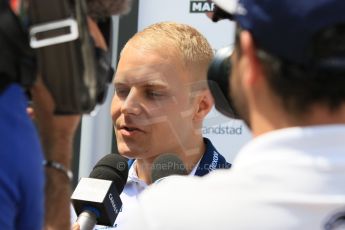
[(214, 162)]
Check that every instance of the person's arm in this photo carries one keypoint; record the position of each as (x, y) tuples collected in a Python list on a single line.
[(57, 134)]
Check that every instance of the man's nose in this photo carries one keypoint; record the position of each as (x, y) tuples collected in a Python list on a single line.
[(131, 104)]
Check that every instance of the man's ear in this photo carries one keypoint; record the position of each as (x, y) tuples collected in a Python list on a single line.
[(204, 104), (253, 69)]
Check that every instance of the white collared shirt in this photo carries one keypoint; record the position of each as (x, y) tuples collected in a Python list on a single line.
[(291, 178), (131, 191)]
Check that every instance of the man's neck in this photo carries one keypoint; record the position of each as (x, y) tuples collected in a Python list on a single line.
[(316, 115), (143, 168), (190, 157)]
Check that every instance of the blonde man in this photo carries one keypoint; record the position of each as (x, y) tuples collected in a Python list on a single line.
[(161, 99)]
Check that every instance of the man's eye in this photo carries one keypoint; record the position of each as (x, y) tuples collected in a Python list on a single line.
[(154, 94), (121, 92)]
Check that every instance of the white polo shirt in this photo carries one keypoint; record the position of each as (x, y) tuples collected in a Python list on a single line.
[(211, 160), (292, 178), (129, 196)]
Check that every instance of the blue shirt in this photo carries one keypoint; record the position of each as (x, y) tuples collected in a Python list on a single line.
[(21, 170), (211, 160)]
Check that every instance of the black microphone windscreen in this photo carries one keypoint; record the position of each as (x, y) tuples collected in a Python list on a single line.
[(113, 167), (167, 165)]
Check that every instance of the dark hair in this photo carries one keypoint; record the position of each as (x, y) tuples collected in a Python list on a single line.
[(319, 82), (100, 9)]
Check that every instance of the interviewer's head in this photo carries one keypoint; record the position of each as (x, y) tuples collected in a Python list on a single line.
[(288, 63), (161, 91)]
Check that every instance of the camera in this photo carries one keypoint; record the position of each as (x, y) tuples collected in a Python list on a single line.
[(75, 71), (219, 72), (218, 81)]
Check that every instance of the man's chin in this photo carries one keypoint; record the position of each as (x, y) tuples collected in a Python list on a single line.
[(130, 153)]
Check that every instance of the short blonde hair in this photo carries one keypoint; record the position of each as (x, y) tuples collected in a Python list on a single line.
[(187, 43)]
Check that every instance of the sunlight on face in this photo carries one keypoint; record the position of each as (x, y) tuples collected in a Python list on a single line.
[(151, 109)]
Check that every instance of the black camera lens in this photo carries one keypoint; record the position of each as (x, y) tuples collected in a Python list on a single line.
[(218, 82), (219, 14)]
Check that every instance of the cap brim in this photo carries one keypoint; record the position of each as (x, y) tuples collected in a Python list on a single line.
[(228, 6)]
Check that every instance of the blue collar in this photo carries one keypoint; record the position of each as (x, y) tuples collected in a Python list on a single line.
[(210, 161)]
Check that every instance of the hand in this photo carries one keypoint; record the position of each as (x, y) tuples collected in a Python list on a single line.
[(75, 226)]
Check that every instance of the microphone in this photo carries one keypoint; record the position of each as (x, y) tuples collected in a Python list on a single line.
[(166, 165), (96, 199)]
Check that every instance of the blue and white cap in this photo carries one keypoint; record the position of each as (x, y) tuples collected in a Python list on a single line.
[(285, 28)]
